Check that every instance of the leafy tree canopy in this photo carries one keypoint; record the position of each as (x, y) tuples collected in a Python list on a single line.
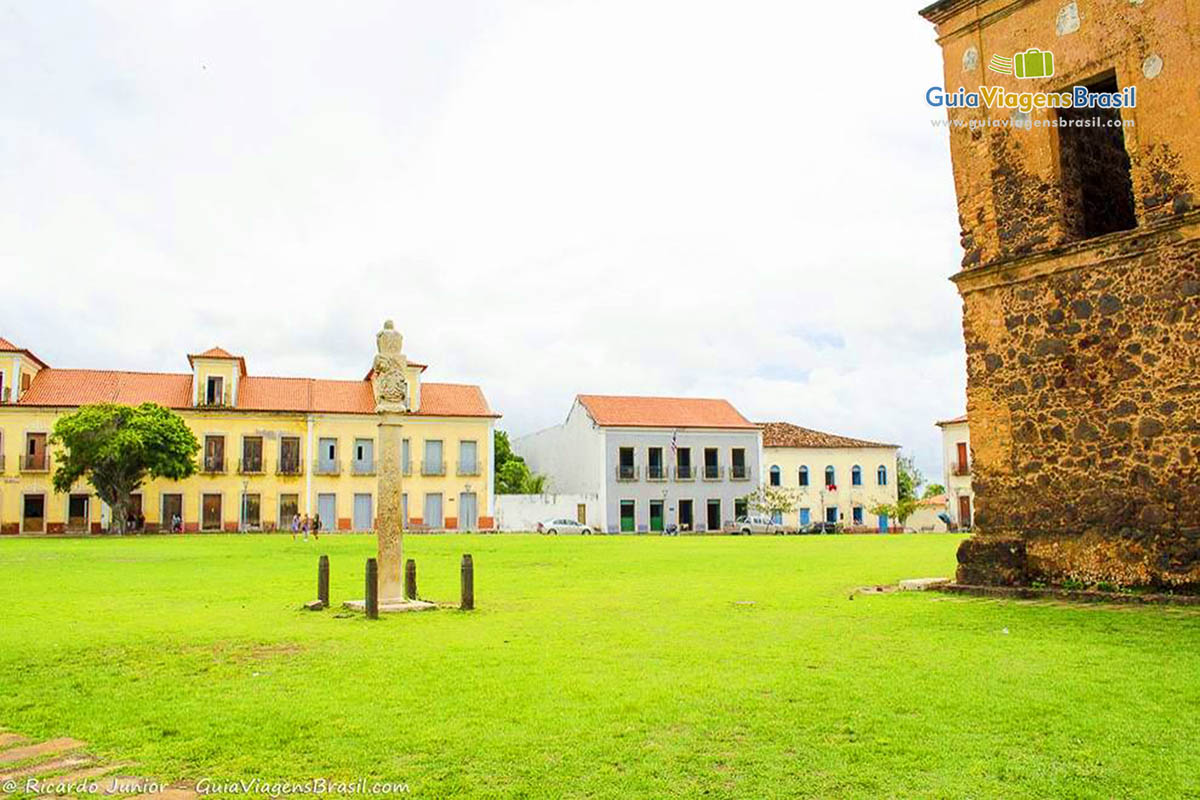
[(512, 473), (933, 490), (117, 448), (908, 478), (771, 500), (900, 511), (503, 450)]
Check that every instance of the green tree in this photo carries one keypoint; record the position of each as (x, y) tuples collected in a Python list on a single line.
[(772, 500), (502, 448), (512, 473), (933, 490), (908, 478), (117, 448), (900, 511)]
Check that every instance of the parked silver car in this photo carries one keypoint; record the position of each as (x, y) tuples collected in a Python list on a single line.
[(564, 525), (755, 523)]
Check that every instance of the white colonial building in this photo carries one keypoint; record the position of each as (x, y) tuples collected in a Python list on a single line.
[(654, 461), (956, 458), (837, 479)]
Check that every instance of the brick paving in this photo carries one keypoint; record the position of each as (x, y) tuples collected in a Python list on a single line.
[(66, 761)]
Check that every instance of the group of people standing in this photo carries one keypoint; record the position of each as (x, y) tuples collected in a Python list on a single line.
[(305, 524)]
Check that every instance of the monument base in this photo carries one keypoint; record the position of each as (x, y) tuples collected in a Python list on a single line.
[(391, 606)]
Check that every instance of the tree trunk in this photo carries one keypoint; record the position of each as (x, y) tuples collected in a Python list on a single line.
[(120, 512)]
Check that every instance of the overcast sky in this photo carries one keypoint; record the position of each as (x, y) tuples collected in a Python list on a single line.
[(731, 199)]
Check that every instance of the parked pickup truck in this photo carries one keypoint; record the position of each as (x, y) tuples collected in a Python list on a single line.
[(754, 523)]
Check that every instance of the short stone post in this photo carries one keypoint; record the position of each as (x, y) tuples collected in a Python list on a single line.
[(323, 581), (410, 579), (372, 589), (468, 583)]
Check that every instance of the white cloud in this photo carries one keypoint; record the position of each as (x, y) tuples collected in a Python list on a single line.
[(744, 200)]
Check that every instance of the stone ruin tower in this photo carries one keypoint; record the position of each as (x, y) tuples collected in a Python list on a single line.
[(1080, 283)]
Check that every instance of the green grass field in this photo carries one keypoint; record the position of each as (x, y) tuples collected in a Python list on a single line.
[(596, 667)]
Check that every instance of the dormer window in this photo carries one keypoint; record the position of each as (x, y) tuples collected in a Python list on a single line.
[(214, 393)]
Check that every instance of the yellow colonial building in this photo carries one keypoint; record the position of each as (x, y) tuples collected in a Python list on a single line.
[(272, 448)]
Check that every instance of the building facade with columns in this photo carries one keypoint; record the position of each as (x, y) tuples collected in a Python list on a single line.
[(271, 448)]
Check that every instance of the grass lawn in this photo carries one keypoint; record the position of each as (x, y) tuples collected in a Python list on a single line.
[(596, 667)]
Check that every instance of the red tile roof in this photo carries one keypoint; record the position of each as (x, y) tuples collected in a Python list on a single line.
[(218, 352), (8, 347), (453, 400), (785, 434), (68, 388), (938, 500), (663, 412), (77, 387), (954, 421)]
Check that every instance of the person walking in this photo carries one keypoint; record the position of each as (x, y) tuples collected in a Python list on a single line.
[(305, 524), (295, 525), (316, 527)]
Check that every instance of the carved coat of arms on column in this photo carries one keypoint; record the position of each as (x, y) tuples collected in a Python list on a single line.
[(390, 369)]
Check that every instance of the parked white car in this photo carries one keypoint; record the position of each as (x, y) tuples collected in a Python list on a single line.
[(755, 523), (564, 525)]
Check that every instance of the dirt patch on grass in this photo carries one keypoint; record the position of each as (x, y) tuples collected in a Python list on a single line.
[(243, 653)]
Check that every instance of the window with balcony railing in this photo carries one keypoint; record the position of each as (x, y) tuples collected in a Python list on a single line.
[(468, 468), (289, 456), (252, 456), (685, 472), (627, 472), (656, 472), (214, 454), (35, 462), (433, 468), (737, 466), (362, 467), (713, 472), (327, 466)]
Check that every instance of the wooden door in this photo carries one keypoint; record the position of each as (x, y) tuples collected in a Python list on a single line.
[(210, 519), (172, 506), (964, 512), (364, 519), (33, 516), (77, 513)]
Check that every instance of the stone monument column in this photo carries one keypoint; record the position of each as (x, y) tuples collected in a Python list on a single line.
[(389, 380), (390, 383)]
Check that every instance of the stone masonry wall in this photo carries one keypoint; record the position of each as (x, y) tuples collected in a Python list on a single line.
[(1083, 351), (1084, 400)]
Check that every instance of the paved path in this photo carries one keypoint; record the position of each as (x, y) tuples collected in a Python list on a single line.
[(65, 761)]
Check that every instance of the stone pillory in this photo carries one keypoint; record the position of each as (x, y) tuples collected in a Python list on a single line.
[(1080, 282)]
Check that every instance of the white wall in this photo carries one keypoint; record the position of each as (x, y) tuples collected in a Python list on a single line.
[(522, 512), (956, 485), (570, 455), (926, 520), (700, 491)]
